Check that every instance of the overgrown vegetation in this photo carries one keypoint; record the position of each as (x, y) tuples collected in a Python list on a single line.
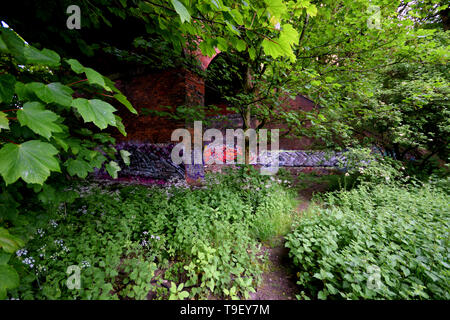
[(377, 71), (130, 240), (376, 241)]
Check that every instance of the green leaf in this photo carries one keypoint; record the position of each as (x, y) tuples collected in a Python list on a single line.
[(110, 84), (125, 156), (15, 44), (8, 242), (240, 45), (112, 167), (78, 167), (22, 92), (61, 94), (207, 48), (32, 161), (232, 28), (122, 99), (41, 121), (44, 57), (3, 46), (120, 126), (40, 90), (4, 122), (75, 66), (283, 45), (222, 44), (276, 7), (9, 279), (4, 257), (60, 140), (97, 162), (311, 10), (322, 295), (237, 16), (97, 111), (181, 10), (252, 53), (7, 84), (272, 48), (95, 78)]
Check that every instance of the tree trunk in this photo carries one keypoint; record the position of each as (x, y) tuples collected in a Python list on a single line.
[(247, 116)]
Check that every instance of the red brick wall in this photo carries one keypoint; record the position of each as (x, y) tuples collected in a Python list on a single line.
[(165, 88), (195, 89), (177, 87), (300, 103)]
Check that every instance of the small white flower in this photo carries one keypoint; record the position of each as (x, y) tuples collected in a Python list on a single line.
[(29, 261), (21, 252), (347, 174)]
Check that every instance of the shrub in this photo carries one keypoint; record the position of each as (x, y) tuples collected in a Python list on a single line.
[(377, 242)]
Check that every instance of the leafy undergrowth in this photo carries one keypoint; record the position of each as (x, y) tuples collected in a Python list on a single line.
[(377, 241), (175, 243)]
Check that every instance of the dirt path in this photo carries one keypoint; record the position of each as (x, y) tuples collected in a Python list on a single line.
[(279, 281)]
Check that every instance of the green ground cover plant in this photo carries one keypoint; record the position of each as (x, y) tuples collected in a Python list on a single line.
[(132, 240), (376, 241)]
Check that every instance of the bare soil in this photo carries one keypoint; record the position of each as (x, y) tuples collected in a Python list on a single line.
[(279, 282)]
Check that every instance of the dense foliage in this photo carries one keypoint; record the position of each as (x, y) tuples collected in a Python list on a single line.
[(381, 241), (377, 70), (44, 130), (130, 240)]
